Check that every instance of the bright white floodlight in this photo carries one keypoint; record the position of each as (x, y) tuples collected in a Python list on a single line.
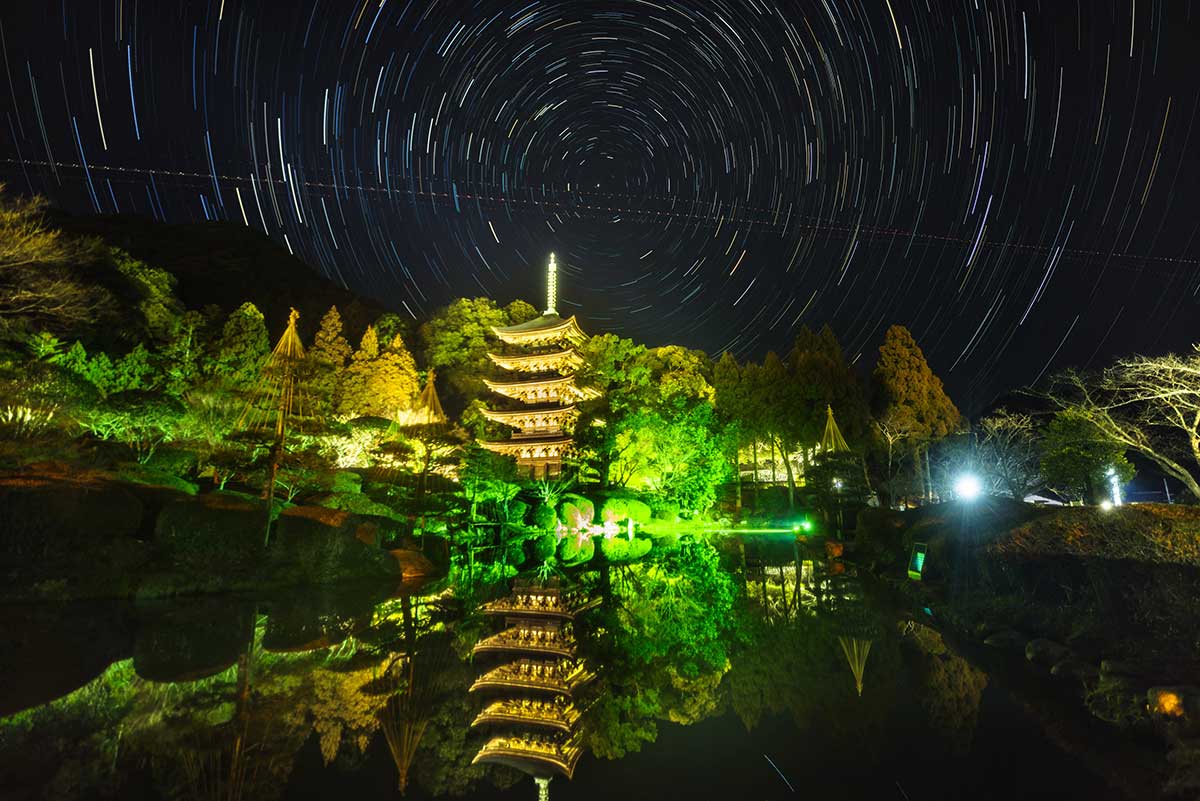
[(968, 487)]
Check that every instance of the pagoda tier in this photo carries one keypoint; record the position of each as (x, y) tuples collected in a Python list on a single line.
[(531, 637), (558, 714), (539, 456), (549, 329), (536, 603), (538, 754), (550, 420), (558, 676), (560, 389), (557, 361)]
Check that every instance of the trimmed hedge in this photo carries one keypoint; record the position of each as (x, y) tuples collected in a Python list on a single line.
[(619, 509), (571, 554), (619, 549), (576, 511), (544, 517)]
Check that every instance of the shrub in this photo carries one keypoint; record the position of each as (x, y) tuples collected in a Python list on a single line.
[(664, 510), (617, 510), (577, 511), (572, 552), (543, 547), (615, 549), (517, 511), (544, 517)]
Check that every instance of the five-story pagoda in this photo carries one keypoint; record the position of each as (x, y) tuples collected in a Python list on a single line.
[(541, 355)]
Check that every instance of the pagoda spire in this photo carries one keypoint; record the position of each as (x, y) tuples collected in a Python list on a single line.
[(551, 287)]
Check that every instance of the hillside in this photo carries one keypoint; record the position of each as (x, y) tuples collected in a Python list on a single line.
[(227, 264)]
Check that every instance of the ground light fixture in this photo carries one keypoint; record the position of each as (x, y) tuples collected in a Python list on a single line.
[(1114, 481), (968, 487)]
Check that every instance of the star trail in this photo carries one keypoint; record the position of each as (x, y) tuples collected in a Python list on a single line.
[(1013, 181)]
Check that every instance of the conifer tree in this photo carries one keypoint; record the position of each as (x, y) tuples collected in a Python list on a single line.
[(907, 391), (243, 347), (379, 383), (326, 362)]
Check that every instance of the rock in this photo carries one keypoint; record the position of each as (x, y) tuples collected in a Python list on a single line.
[(317, 619), (1177, 707), (1075, 668), (1046, 652), (1007, 640), (315, 545), (413, 563), (218, 532), (191, 640), (1118, 700), (49, 519), (51, 650)]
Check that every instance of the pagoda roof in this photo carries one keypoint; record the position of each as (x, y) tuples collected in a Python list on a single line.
[(544, 328), (532, 638), (566, 383), (532, 753), (561, 676), (519, 444), (513, 418), (533, 603), (568, 357), (556, 714)]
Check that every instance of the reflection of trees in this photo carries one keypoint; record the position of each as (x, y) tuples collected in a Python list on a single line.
[(798, 667), (952, 688), (414, 676), (661, 640)]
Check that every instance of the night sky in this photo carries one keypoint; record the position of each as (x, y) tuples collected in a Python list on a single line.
[(1015, 181)]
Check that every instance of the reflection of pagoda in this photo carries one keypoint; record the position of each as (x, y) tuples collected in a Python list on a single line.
[(534, 718), (542, 353)]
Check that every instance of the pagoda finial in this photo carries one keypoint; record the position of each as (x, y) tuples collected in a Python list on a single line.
[(551, 287)]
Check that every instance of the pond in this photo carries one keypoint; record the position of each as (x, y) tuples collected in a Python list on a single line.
[(731, 675)]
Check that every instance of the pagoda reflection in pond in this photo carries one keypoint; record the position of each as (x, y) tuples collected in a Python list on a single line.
[(535, 714)]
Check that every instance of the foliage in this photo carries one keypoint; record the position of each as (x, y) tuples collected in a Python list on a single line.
[(1076, 456), (1148, 405), (326, 361), (42, 283), (456, 339), (619, 509), (141, 420), (680, 607), (242, 349), (544, 517), (379, 382), (679, 456), (154, 292), (1146, 533)]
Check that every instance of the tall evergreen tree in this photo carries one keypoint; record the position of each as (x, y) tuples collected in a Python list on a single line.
[(907, 391), (326, 362), (243, 346), (379, 383)]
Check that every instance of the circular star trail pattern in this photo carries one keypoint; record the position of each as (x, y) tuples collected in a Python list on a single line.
[(1010, 180)]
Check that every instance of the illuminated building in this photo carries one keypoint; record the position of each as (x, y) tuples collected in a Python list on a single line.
[(542, 358)]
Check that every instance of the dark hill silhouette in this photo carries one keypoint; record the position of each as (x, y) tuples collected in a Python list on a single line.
[(227, 264)]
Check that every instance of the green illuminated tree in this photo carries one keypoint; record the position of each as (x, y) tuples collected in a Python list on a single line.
[(243, 347), (730, 404), (154, 292), (456, 340), (326, 362), (1077, 455)]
